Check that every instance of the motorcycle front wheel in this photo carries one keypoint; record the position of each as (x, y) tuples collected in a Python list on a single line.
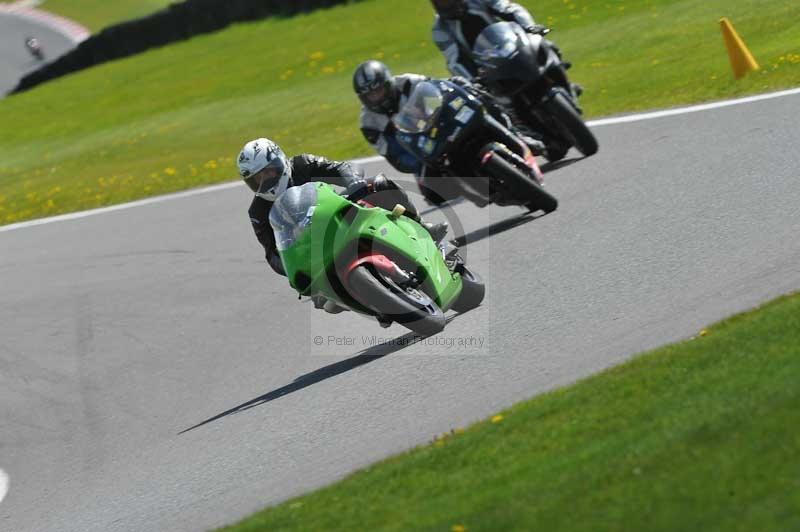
[(409, 307), (472, 291), (537, 198), (572, 125)]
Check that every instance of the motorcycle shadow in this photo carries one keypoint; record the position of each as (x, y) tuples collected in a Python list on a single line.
[(365, 356), (556, 165), (495, 229)]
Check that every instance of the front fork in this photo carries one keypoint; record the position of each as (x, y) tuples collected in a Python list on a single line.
[(513, 148)]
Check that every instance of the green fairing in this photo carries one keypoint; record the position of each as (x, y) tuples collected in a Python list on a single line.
[(335, 229)]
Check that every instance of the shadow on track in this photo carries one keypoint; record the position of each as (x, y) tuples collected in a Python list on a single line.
[(563, 163), (494, 229), (365, 356)]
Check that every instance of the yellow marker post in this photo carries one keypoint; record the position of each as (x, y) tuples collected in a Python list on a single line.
[(742, 60)]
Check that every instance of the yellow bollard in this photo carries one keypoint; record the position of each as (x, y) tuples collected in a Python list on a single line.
[(742, 60)]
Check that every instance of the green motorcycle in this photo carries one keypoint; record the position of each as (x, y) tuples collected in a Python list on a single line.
[(369, 260)]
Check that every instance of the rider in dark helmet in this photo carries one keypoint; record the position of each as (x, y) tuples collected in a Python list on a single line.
[(376, 87), (382, 95), (450, 8), (459, 22)]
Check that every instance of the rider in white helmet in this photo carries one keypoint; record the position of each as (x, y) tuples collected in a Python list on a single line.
[(268, 172)]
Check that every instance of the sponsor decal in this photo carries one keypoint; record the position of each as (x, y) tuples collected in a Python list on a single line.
[(465, 115), (457, 104)]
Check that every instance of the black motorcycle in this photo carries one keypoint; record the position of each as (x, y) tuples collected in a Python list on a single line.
[(450, 130), (527, 71)]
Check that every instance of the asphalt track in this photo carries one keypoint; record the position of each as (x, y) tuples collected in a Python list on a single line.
[(118, 332), (15, 61)]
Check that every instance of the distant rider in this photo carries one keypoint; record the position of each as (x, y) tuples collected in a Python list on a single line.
[(458, 23), (266, 170), (34, 47)]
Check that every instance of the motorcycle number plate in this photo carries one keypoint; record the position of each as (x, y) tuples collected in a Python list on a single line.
[(465, 115)]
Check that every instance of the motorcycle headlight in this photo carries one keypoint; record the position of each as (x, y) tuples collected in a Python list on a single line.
[(292, 213)]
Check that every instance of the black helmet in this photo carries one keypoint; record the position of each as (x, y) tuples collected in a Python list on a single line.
[(375, 87), (450, 8)]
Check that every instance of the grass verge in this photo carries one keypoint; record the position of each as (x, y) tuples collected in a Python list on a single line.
[(699, 435), (175, 117), (97, 14)]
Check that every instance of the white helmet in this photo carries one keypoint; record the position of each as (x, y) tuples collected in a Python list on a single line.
[(259, 155)]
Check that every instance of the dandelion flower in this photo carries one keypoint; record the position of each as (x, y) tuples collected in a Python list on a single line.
[(497, 419)]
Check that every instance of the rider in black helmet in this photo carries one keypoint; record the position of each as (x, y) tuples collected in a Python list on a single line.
[(376, 87), (459, 22), (382, 95)]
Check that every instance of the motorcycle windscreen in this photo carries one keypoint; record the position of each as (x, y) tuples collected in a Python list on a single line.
[(496, 43), (291, 214), (421, 109)]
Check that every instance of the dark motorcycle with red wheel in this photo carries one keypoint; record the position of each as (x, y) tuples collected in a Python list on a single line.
[(470, 151)]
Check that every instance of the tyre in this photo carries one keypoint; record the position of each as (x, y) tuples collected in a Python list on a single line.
[(537, 197), (572, 125), (556, 152), (408, 307), (472, 291)]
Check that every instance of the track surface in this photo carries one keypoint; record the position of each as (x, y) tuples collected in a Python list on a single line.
[(120, 331), (15, 61)]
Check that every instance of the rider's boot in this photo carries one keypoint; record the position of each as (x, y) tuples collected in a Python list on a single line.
[(437, 230), (328, 305), (331, 307)]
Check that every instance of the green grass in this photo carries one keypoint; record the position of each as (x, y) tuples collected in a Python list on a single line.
[(97, 14), (699, 435), (176, 117)]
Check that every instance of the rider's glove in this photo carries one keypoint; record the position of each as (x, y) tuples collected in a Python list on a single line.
[(357, 189), (537, 29), (461, 81)]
